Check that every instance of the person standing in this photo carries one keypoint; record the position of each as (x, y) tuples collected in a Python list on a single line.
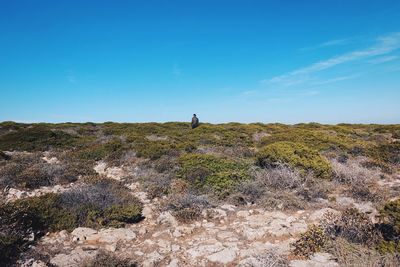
[(195, 121)]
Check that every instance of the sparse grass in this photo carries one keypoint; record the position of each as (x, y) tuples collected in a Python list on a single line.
[(107, 259)]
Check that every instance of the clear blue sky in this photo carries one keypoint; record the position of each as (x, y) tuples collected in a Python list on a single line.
[(247, 61)]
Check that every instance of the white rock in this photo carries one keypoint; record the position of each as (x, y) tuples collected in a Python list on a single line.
[(173, 263), (228, 207), (204, 250), (113, 235), (152, 259), (74, 259), (167, 218), (81, 234), (225, 256), (317, 260)]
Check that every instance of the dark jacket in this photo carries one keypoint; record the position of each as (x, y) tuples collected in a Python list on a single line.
[(195, 122)]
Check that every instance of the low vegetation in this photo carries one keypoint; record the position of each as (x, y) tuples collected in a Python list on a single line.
[(104, 203), (208, 172), (273, 166), (295, 155)]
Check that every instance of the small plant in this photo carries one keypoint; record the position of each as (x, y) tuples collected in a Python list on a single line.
[(295, 155), (310, 242)]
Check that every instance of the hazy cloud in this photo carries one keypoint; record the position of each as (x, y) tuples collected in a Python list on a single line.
[(384, 45), (327, 44)]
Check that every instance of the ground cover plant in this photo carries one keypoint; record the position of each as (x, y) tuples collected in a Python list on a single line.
[(272, 166)]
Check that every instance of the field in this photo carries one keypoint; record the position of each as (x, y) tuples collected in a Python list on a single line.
[(151, 194)]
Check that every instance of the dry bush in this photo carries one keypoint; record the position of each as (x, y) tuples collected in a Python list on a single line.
[(352, 172), (30, 170), (179, 186), (352, 225), (283, 200), (361, 181), (350, 255), (279, 177), (105, 202), (157, 186), (165, 164), (188, 207), (280, 188), (107, 259)]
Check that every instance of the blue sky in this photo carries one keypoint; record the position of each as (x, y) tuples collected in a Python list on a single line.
[(246, 61)]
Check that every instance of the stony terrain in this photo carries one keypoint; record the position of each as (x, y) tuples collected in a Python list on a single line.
[(208, 205)]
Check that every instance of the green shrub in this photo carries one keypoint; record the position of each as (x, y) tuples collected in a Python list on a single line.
[(386, 153), (295, 155), (33, 216), (35, 138), (310, 242), (154, 149), (110, 151), (319, 138), (207, 171), (391, 214), (102, 204)]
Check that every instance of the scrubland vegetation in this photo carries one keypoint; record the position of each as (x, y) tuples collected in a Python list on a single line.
[(273, 166)]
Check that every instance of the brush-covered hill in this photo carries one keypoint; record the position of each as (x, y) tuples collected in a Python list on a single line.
[(151, 194)]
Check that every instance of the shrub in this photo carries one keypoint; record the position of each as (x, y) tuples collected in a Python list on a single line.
[(103, 203), (207, 171), (106, 259), (280, 177), (35, 138), (188, 207), (295, 155), (353, 226), (154, 150), (310, 242), (32, 217), (332, 138), (391, 214), (31, 171), (157, 186), (4, 156), (348, 254)]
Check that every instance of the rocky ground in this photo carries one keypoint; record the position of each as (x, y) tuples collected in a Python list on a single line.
[(225, 236)]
